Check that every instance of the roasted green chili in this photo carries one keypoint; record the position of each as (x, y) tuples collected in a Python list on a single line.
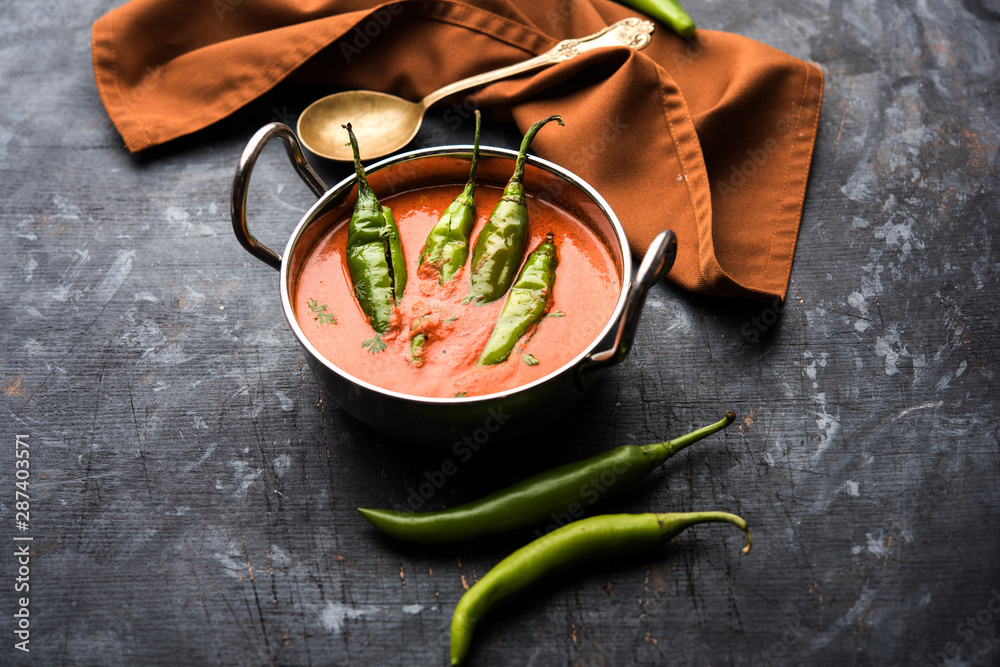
[(587, 540), (500, 245), (526, 303), (447, 245), (417, 348), (374, 252), (562, 493)]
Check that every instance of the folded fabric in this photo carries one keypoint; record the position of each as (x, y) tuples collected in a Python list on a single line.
[(711, 137)]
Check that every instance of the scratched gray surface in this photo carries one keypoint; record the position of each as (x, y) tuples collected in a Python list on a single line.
[(193, 491)]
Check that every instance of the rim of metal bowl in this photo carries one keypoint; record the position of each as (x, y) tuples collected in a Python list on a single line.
[(444, 151)]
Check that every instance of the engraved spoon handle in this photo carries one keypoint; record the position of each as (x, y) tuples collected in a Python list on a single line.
[(633, 32)]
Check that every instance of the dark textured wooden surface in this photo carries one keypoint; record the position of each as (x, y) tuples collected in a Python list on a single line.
[(193, 491)]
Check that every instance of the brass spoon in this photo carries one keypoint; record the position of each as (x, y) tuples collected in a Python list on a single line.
[(385, 123)]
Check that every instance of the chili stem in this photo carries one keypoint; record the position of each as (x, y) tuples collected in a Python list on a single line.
[(661, 451)]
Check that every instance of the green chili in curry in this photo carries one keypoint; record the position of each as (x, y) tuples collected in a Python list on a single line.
[(447, 245), (500, 245), (374, 253)]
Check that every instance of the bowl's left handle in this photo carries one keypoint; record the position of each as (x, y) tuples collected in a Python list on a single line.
[(655, 266), (241, 180)]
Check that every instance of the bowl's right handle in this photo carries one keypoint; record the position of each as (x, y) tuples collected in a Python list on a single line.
[(238, 203), (655, 266)]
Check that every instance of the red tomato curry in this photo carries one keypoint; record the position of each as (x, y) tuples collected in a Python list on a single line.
[(586, 289)]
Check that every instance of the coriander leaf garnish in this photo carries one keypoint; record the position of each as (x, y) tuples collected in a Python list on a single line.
[(374, 345), (556, 313), (451, 319), (319, 313), (530, 359), (460, 394)]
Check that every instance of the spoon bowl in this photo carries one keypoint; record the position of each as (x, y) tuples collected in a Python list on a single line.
[(384, 123)]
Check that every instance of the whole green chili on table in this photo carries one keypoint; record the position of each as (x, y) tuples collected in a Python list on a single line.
[(526, 303), (583, 541), (374, 253), (556, 491), (500, 245), (447, 245)]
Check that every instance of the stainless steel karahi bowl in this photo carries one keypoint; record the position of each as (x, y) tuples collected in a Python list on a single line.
[(474, 419)]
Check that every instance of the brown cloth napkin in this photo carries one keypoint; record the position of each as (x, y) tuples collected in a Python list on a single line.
[(711, 138)]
